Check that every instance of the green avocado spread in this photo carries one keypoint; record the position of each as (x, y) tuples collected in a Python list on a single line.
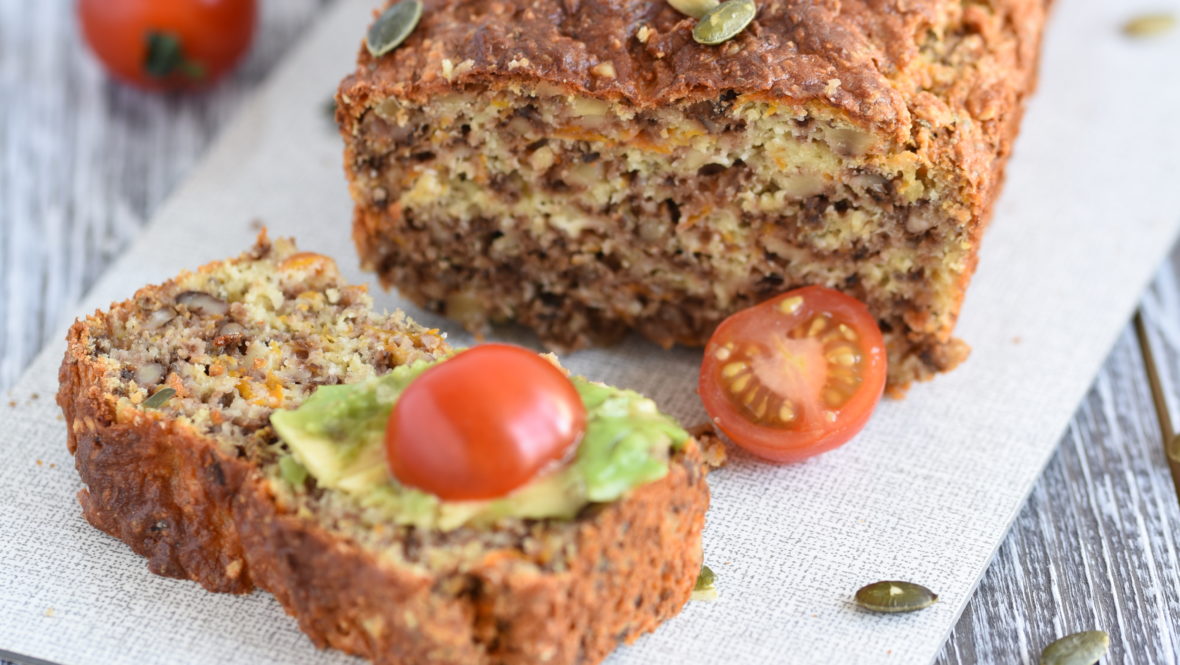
[(337, 437)]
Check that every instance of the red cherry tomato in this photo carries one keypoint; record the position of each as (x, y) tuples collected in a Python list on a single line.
[(796, 375), (168, 44), (483, 423)]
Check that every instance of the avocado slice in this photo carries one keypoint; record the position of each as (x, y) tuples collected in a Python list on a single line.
[(337, 435)]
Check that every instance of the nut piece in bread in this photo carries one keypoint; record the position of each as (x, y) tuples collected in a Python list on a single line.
[(586, 168), (194, 485)]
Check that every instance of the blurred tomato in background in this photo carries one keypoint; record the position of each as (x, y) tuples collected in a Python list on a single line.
[(168, 44)]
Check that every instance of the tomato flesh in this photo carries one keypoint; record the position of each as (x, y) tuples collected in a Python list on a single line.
[(483, 423), (796, 375), (168, 45)]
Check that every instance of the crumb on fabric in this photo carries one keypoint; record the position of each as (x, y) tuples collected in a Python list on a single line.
[(711, 444), (1149, 25)]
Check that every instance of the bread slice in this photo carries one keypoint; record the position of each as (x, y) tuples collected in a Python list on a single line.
[(587, 168), (193, 484)]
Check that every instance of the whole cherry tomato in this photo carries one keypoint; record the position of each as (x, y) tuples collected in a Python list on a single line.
[(796, 375), (481, 424), (168, 44)]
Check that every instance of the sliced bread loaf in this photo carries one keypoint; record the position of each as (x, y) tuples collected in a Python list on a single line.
[(168, 395)]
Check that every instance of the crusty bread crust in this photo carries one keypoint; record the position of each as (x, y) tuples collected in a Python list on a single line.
[(174, 496), (152, 483)]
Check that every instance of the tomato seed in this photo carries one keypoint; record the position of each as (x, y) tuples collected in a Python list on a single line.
[(843, 355), (832, 336), (733, 369), (760, 410), (791, 305), (817, 326), (841, 374), (833, 398)]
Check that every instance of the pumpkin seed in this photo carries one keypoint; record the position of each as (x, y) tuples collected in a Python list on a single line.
[(705, 579), (1084, 648), (704, 589), (895, 596), (724, 21), (1149, 25), (157, 400), (393, 26), (694, 8)]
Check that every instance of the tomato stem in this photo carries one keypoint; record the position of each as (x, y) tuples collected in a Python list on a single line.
[(165, 57)]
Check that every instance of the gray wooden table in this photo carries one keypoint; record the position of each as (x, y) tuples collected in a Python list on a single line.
[(84, 162)]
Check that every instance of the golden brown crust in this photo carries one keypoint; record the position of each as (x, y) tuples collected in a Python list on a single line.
[(792, 50), (175, 497), (945, 79), (631, 571), (151, 483)]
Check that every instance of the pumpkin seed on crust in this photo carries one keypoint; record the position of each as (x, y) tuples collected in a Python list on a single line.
[(393, 26), (724, 21), (694, 8)]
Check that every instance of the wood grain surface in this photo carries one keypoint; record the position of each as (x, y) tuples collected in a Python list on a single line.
[(85, 162)]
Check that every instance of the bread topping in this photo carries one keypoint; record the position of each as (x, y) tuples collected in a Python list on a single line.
[(336, 437)]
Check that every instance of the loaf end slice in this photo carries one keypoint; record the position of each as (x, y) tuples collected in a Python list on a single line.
[(192, 484)]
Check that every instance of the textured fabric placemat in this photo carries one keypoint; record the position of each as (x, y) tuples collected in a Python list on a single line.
[(926, 493)]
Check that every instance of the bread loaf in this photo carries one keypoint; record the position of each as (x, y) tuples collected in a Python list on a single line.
[(587, 168)]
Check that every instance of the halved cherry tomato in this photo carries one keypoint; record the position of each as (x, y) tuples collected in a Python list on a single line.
[(483, 423), (170, 44), (796, 375)]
